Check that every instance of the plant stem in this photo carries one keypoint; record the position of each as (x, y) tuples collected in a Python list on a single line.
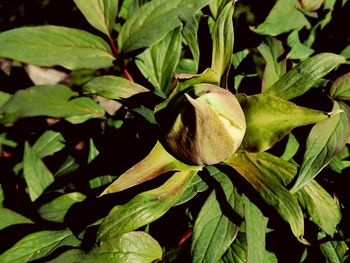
[(113, 46)]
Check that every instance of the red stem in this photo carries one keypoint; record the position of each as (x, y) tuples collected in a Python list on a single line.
[(184, 237), (113, 46)]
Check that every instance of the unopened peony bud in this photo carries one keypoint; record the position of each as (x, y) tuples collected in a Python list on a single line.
[(311, 5), (204, 125)]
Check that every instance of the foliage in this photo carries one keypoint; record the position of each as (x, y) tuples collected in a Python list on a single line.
[(175, 131)]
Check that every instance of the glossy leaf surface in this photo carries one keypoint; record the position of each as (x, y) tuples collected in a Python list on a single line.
[(53, 101), (144, 208), (56, 45), (101, 14), (326, 139)]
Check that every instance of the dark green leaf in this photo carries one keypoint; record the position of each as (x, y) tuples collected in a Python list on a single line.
[(54, 101), (267, 174), (197, 185), (101, 14), (130, 247), (67, 167), (255, 224), (271, 50), (56, 209), (35, 172), (222, 35), (38, 245), (158, 62), (9, 217), (48, 143), (111, 87), (56, 45), (270, 118), (152, 21), (275, 23), (303, 76), (190, 34), (145, 207), (341, 88), (214, 232), (326, 138)]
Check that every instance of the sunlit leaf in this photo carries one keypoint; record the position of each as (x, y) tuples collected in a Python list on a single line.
[(341, 88), (4, 97), (298, 49), (49, 143), (130, 247), (270, 118), (217, 6), (57, 208), (222, 35), (56, 45), (49, 100), (38, 245), (304, 75), (271, 50), (36, 174), (190, 34), (157, 162), (334, 251), (326, 139), (9, 217), (291, 149), (158, 62), (101, 14), (267, 174), (321, 207), (93, 151), (112, 87), (213, 231), (144, 208), (275, 23), (153, 20)]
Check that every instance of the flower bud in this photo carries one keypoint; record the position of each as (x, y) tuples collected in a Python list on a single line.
[(205, 125), (311, 5)]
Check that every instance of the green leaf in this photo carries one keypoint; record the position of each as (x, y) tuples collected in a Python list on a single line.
[(334, 251), (35, 172), (217, 6), (55, 45), (144, 208), (93, 151), (38, 245), (271, 50), (214, 232), (255, 224), (5, 141), (291, 148), (276, 24), (111, 87), (157, 162), (303, 76), (190, 34), (101, 14), (2, 196), (326, 138), (152, 21), (222, 35), (158, 62), (49, 100), (321, 207), (130, 247), (267, 174), (197, 185), (48, 143), (346, 52), (9, 217), (4, 97), (56, 209), (341, 88), (238, 252), (270, 118), (298, 49)]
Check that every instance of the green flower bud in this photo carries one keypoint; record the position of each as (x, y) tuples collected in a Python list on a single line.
[(311, 5), (205, 125)]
